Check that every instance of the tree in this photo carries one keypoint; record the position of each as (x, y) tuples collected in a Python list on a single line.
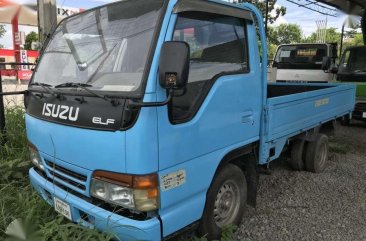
[(332, 37), (31, 37), (2, 30), (285, 34), (2, 33), (274, 11), (358, 40), (363, 27)]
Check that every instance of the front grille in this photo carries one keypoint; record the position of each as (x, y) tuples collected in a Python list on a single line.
[(78, 185), (78, 176), (361, 107), (73, 179)]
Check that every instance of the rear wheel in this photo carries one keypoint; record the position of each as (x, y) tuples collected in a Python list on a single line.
[(225, 203), (317, 154), (297, 160)]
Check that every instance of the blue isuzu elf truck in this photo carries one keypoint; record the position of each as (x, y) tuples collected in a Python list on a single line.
[(148, 117)]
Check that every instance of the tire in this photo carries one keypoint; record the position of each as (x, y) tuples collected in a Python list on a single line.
[(297, 160), (317, 154), (225, 202)]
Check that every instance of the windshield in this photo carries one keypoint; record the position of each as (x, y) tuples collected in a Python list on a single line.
[(300, 56), (106, 48), (353, 61)]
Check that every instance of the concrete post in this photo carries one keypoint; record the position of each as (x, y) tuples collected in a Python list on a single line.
[(47, 18)]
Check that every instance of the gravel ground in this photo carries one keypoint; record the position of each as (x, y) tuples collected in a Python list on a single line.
[(304, 206)]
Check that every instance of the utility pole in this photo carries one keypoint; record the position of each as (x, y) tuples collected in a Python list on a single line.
[(363, 26), (47, 18), (342, 37), (266, 19)]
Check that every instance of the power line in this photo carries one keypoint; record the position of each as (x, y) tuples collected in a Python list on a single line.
[(316, 7)]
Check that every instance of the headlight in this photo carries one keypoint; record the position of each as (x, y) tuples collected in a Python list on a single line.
[(35, 157), (138, 193)]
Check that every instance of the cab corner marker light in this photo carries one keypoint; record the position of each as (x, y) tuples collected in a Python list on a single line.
[(138, 193)]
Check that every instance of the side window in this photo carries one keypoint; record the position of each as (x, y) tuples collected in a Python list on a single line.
[(218, 46)]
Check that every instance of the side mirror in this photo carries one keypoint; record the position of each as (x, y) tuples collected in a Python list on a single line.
[(334, 70), (174, 65), (326, 63), (334, 49)]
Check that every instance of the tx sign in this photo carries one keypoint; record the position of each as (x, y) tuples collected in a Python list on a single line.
[(67, 11)]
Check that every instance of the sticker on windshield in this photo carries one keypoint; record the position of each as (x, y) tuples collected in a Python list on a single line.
[(285, 54), (172, 180)]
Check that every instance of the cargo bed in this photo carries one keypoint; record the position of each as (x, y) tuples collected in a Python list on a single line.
[(292, 109)]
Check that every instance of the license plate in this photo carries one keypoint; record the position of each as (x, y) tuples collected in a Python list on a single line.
[(364, 115), (62, 208)]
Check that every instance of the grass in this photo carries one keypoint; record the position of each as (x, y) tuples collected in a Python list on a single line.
[(338, 148), (22, 212), (20, 204)]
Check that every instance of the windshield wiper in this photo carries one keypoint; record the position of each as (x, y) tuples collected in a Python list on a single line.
[(85, 87), (46, 87)]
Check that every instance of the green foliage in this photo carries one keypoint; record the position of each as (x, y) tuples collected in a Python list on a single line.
[(285, 34), (332, 36), (274, 12), (363, 27), (31, 37), (2, 33), (357, 40), (227, 234), (19, 204), (2, 30), (282, 34)]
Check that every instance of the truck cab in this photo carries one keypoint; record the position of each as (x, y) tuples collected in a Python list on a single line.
[(352, 69), (147, 118), (304, 63)]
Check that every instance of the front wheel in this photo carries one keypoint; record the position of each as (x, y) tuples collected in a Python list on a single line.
[(225, 203)]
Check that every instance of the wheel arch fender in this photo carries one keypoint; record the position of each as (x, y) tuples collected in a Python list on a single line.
[(246, 158)]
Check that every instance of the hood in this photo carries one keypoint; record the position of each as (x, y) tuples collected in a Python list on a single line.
[(85, 148)]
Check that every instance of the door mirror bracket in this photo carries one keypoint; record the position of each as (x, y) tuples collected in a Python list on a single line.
[(173, 71)]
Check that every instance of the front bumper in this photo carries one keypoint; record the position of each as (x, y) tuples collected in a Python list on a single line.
[(360, 110), (124, 228)]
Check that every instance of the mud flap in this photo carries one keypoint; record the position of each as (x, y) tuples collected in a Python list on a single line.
[(252, 178)]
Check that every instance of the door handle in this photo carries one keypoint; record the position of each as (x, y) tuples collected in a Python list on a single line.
[(247, 117)]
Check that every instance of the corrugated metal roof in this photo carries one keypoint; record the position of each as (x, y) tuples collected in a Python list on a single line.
[(356, 7)]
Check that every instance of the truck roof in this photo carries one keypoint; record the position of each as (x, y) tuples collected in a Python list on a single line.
[(215, 7), (307, 44), (355, 47)]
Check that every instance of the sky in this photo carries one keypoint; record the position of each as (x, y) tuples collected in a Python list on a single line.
[(301, 16)]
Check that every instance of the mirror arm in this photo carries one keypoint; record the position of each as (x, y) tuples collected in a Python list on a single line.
[(133, 104)]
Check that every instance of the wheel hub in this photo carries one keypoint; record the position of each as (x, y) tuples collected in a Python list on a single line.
[(227, 204)]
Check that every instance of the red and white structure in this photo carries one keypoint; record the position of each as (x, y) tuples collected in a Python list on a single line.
[(21, 72), (16, 14)]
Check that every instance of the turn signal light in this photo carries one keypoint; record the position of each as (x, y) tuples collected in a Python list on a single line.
[(139, 193)]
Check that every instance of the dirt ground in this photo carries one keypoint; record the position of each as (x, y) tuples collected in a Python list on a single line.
[(329, 206)]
